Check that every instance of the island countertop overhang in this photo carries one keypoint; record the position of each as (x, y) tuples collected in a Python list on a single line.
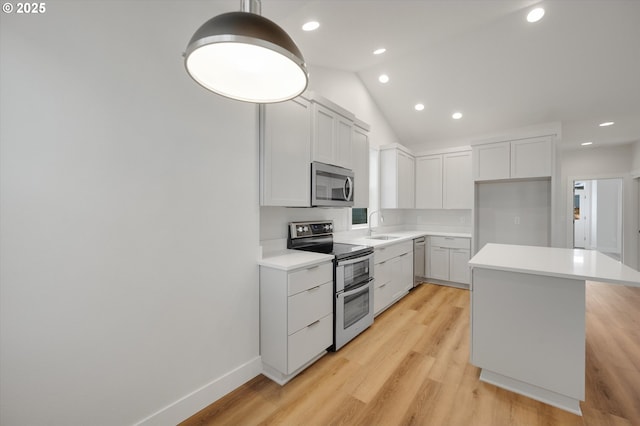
[(579, 264)]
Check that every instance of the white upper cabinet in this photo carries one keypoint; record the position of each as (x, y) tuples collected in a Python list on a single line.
[(457, 182), (331, 136), (360, 150), (285, 153), (429, 182), (444, 181), (525, 158), (491, 161), (397, 178), (531, 158)]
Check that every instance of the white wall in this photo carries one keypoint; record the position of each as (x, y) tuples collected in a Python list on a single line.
[(595, 163), (635, 162), (124, 287), (514, 213)]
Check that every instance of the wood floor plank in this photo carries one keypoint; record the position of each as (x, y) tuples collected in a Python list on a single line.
[(412, 368)]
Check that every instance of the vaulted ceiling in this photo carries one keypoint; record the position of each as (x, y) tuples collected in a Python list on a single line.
[(579, 65)]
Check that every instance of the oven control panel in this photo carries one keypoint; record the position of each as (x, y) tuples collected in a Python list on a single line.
[(310, 229)]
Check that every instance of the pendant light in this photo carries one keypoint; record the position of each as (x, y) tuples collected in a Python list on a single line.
[(245, 56)]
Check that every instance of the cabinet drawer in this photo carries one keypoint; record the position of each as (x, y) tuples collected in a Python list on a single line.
[(307, 278), (381, 273), (309, 306), (382, 254), (305, 344), (450, 242)]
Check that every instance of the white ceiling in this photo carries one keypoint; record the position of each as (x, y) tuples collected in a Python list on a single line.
[(580, 65)]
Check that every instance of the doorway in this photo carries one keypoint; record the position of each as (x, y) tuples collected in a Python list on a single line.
[(597, 215)]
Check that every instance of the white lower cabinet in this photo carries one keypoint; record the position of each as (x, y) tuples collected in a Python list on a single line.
[(296, 318), (393, 273), (448, 259)]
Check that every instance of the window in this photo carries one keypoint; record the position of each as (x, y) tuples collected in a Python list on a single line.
[(359, 216)]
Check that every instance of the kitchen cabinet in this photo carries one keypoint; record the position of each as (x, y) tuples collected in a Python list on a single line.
[(444, 181), (296, 318), (393, 274), (285, 153), (429, 182), (397, 178), (448, 258), (360, 144), (524, 158), (331, 134)]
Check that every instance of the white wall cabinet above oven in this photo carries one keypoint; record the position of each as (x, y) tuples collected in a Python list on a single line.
[(296, 318), (305, 129), (285, 152), (331, 134)]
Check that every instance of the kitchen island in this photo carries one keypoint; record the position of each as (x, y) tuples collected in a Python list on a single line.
[(528, 318)]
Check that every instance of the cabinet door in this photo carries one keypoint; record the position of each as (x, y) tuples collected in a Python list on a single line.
[(459, 271), (491, 161), (439, 263), (406, 261), (457, 182), (406, 181), (360, 149), (286, 151), (429, 182), (395, 266), (531, 158), (344, 149), (324, 126), (382, 287)]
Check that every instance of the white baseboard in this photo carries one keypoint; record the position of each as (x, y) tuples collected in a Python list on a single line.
[(195, 401)]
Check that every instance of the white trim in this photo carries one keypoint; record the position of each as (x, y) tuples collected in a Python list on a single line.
[(563, 402), (195, 401)]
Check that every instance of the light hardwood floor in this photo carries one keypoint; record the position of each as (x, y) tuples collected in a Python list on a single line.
[(412, 368)]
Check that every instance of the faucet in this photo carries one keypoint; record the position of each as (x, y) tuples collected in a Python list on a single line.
[(369, 221)]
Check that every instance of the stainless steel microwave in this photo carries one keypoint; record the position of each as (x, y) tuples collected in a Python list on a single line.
[(331, 186)]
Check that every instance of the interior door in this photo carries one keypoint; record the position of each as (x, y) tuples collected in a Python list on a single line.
[(579, 218)]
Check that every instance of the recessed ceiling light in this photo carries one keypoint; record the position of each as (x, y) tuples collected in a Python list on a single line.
[(311, 25), (456, 115), (586, 143), (419, 107), (607, 123), (535, 15), (383, 78), (379, 51)]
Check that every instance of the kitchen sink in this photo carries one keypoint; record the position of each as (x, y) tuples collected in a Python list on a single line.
[(383, 237)]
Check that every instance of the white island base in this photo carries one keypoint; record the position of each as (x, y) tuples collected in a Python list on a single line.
[(528, 318)]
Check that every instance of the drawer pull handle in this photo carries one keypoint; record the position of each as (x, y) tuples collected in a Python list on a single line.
[(313, 323), (313, 289), (449, 238), (313, 267), (383, 285)]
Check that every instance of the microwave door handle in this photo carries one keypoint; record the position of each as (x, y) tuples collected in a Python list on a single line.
[(347, 189)]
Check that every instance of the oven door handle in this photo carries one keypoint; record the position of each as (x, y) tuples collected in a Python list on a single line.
[(354, 260), (360, 288)]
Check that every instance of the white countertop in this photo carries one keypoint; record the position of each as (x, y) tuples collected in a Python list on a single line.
[(287, 260), (555, 262), (401, 236)]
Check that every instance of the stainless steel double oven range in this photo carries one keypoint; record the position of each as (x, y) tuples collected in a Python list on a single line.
[(352, 277)]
